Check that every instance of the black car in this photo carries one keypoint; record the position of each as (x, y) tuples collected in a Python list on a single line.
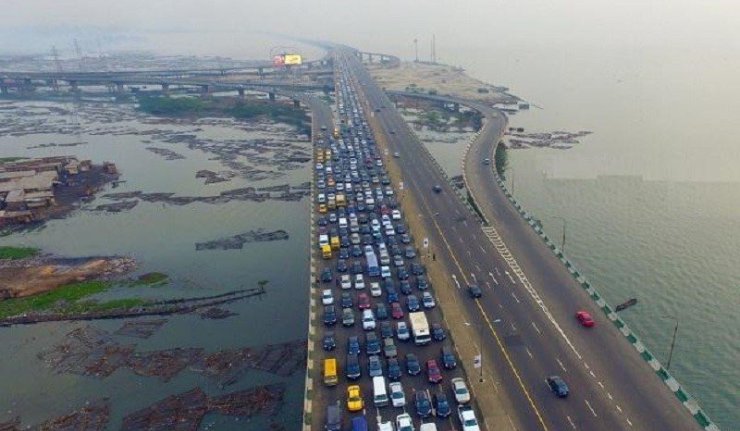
[(558, 386), (330, 315), (438, 333), (442, 405), (410, 252), (342, 265), (475, 291), (417, 269), (400, 229), (421, 283), (413, 366), (372, 343), (352, 367), (322, 221), (344, 253), (356, 251), (329, 342), (423, 404), (405, 238), (356, 267), (326, 275), (394, 369), (402, 274), (412, 303), (437, 188), (381, 312), (448, 358), (353, 345), (346, 300), (386, 330)]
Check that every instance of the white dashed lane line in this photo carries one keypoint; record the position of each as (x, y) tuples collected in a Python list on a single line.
[(591, 408), (535, 327), (515, 298), (561, 365), (571, 422)]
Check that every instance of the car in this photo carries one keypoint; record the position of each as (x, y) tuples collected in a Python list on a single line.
[(417, 269), (353, 345), (330, 315), (385, 271), (329, 342), (346, 300), (333, 418), (389, 348), (584, 317), (423, 404), (396, 310), (359, 281), (375, 290), (448, 358), (342, 265), (474, 291), (402, 331), (386, 330), (404, 422), (322, 221), (396, 215), (413, 366), (442, 408), (356, 268), (558, 386), (356, 251), (400, 229), (326, 275), (322, 208), (428, 300), (394, 369), (406, 238), (352, 368), (422, 283), (434, 374), (466, 414), (397, 261), (354, 398), (383, 425), (372, 343), (326, 297), (460, 389), (343, 254), (438, 332), (412, 303), (374, 366), (405, 287), (486, 161), (437, 188), (409, 252), (391, 295), (333, 218), (363, 301), (348, 317), (381, 312), (398, 397), (345, 281), (402, 274)]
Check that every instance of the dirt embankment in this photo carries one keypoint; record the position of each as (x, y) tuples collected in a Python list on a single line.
[(26, 277)]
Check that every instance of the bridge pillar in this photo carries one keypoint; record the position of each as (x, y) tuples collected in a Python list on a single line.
[(370, 58), (261, 72), (3, 89), (74, 87), (296, 103), (271, 95), (205, 90), (120, 88), (241, 92), (165, 88)]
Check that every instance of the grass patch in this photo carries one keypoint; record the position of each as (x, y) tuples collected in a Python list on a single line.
[(10, 159), (15, 253), (63, 296), (150, 279)]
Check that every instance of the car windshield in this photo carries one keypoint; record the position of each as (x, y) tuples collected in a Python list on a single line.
[(470, 423)]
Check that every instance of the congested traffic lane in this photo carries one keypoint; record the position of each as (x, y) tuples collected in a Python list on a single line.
[(410, 383), (535, 344)]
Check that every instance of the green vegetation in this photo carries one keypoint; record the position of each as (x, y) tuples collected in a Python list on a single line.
[(226, 106), (474, 205), (151, 279), (15, 253), (10, 159), (501, 158)]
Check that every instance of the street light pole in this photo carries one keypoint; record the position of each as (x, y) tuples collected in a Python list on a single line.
[(480, 349), (565, 224), (673, 342)]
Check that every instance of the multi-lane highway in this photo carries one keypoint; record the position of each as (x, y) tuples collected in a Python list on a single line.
[(527, 318)]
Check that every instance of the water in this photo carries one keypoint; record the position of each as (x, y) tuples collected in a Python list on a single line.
[(161, 238)]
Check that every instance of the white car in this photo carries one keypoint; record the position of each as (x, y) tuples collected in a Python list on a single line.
[(345, 281), (385, 426), (398, 397), (462, 395), (467, 418), (326, 297), (404, 422), (396, 215), (402, 331), (385, 271), (428, 300), (375, 290), (359, 281)]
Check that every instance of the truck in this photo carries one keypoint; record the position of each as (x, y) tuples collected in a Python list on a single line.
[(373, 270), (420, 328)]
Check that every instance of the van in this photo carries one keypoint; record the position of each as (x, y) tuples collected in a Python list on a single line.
[(359, 423), (368, 320), (342, 222), (431, 426), (326, 251), (380, 394), (330, 372)]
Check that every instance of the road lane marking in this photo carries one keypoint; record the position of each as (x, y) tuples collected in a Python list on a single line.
[(561, 365), (591, 408), (592, 373), (571, 422), (585, 364), (619, 408), (482, 249), (515, 298), (510, 277), (457, 283), (536, 328), (477, 267), (494, 278), (609, 395), (628, 421), (513, 327), (489, 285), (600, 384), (497, 271), (529, 353)]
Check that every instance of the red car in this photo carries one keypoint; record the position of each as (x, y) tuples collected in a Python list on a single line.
[(363, 301), (434, 375), (585, 318), (396, 310)]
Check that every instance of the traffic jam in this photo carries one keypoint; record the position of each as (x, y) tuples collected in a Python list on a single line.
[(385, 361)]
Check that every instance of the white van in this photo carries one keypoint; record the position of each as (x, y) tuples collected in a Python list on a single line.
[(368, 320), (323, 240), (380, 394), (342, 222)]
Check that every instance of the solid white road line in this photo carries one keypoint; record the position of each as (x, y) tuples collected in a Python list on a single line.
[(536, 328), (510, 277), (591, 408), (517, 299), (561, 365), (571, 422)]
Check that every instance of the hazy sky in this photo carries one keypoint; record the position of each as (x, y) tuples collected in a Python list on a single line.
[(381, 24)]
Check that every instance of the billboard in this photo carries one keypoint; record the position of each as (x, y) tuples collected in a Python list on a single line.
[(278, 61), (292, 59)]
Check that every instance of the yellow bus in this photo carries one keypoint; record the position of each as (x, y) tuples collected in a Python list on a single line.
[(330, 372)]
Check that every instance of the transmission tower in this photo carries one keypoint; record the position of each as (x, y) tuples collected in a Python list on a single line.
[(58, 65), (78, 51)]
